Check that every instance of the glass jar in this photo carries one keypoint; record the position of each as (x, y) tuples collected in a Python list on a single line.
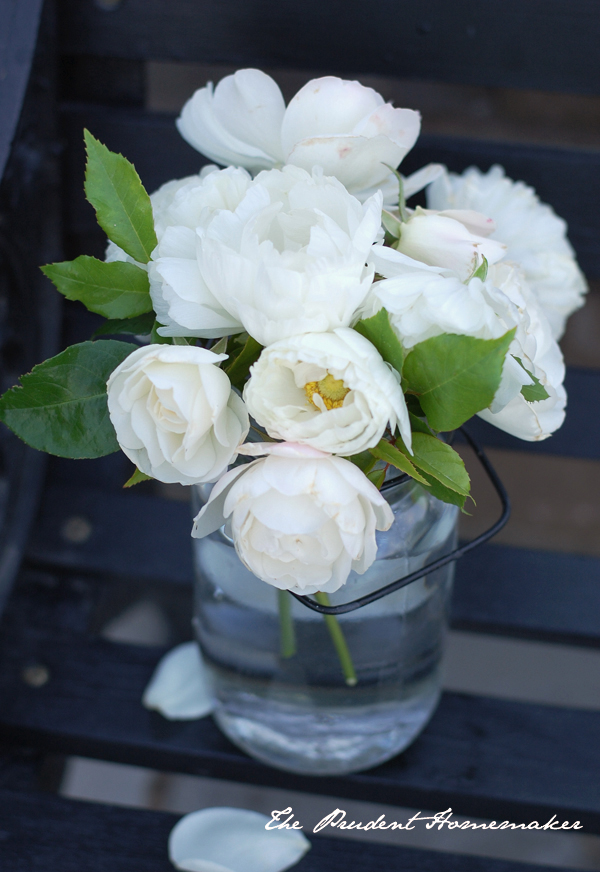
[(281, 693)]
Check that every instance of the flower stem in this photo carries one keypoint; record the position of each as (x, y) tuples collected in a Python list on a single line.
[(338, 639), (287, 635)]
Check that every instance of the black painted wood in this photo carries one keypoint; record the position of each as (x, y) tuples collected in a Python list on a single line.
[(130, 535), (19, 21), (568, 179), (540, 595), (481, 757), (41, 833), (549, 44), (533, 594)]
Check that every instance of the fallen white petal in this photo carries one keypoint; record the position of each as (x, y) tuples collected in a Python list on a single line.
[(233, 840), (180, 688)]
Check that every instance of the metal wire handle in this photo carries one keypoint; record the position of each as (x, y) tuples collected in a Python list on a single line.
[(344, 608)]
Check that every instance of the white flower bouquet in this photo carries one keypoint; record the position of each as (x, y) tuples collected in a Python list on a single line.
[(296, 294)]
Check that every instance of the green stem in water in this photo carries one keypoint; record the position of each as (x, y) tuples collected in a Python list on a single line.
[(286, 624), (338, 639)]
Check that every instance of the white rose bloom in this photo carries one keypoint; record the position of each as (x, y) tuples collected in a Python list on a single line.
[(290, 257), (329, 390), (182, 301), (536, 237), (175, 414), (339, 125), (425, 301), (162, 199), (300, 519), (535, 346), (443, 239)]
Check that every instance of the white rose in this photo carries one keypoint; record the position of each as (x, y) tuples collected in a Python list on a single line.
[(443, 239), (425, 301), (290, 256), (181, 299), (300, 519), (175, 414), (162, 200), (329, 390), (339, 125), (536, 237), (540, 354)]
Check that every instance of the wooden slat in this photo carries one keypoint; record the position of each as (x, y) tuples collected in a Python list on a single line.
[(130, 535), (532, 594), (536, 594), (19, 21), (42, 833), (481, 757), (569, 179), (548, 44)]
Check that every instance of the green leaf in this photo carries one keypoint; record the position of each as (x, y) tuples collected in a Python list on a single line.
[(418, 425), (113, 290), (220, 347), (392, 225), (482, 270), (389, 454), (137, 477), (123, 207), (140, 326), (364, 460), (443, 493), (413, 405), (455, 376), (379, 331), (239, 367), (536, 392), (61, 407), (440, 461), (533, 393), (376, 477), (156, 338)]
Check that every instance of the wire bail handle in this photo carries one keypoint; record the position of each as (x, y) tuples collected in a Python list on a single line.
[(358, 603)]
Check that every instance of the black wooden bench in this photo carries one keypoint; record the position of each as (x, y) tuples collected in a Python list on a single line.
[(64, 690)]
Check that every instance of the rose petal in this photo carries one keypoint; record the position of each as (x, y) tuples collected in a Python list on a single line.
[(282, 449), (233, 840), (211, 517), (180, 688), (235, 133), (423, 177), (324, 107)]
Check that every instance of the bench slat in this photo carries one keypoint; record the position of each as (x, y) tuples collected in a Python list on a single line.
[(533, 594), (548, 44), (42, 832), (569, 179), (537, 594), (481, 757)]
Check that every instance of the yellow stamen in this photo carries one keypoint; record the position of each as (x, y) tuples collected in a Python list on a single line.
[(331, 390)]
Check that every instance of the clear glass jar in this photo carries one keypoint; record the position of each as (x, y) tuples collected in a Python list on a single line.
[(297, 712)]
